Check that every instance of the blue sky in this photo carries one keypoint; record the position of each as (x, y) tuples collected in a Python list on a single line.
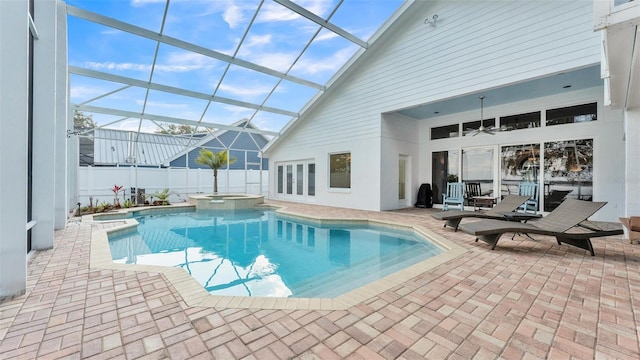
[(275, 40)]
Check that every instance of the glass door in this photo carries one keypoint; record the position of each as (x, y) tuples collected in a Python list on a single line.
[(295, 180), (444, 169)]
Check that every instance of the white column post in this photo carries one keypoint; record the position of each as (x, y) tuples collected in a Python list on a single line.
[(44, 125), (632, 165), (14, 95), (65, 167)]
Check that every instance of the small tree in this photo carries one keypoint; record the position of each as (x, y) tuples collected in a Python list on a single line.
[(215, 161), (82, 121), (174, 129)]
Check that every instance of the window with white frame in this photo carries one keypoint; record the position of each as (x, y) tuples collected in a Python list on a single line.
[(340, 171)]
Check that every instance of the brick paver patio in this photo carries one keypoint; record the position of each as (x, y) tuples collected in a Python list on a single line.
[(527, 299)]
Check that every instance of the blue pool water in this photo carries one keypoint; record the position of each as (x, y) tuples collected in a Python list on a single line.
[(256, 253)]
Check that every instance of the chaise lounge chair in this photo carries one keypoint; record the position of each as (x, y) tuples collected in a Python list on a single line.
[(567, 223), (453, 217)]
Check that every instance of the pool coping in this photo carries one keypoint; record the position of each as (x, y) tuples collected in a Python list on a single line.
[(195, 295)]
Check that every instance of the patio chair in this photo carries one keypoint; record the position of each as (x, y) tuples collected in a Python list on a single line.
[(632, 224), (529, 189), (509, 203), (454, 196), (472, 190), (567, 223)]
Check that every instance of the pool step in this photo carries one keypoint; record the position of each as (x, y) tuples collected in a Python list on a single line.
[(341, 281)]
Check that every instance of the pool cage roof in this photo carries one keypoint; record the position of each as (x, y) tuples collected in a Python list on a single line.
[(156, 65)]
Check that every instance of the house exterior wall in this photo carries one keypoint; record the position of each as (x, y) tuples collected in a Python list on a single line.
[(244, 142), (607, 133), (475, 46)]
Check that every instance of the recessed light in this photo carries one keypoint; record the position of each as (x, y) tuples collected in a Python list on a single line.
[(436, 112), (566, 86)]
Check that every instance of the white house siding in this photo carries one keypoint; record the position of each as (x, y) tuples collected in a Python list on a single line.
[(607, 134), (475, 45)]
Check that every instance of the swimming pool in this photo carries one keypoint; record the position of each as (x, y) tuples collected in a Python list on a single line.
[(258, 253)]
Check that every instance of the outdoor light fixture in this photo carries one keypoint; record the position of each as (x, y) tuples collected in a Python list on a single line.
[(431, 21)]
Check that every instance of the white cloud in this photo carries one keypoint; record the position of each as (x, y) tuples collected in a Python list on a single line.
[(326, 35), (110, 65), (83, 93), (276, 61), (332, 63), (275, 12), (246, 91), (176, 62), (233, 15), (318, 7), (258, 40)]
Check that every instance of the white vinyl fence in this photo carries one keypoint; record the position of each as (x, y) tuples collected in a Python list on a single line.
[(97, 182)]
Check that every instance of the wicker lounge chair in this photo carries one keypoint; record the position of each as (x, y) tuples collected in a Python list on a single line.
[(452, 218), (567, 223)]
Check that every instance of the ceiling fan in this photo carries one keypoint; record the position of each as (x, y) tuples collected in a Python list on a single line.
[(482, 129)]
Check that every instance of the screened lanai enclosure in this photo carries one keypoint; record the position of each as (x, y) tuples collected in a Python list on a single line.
[(153, 82)]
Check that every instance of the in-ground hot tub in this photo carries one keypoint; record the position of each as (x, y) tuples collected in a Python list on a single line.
[(226, 202)]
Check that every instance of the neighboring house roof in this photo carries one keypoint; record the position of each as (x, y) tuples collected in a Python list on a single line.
[(119, 147)]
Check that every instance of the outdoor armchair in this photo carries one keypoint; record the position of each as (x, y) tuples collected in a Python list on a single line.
[(454, 196), (529, 189)]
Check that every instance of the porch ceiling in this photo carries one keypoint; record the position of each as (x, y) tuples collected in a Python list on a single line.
[(578, 79)]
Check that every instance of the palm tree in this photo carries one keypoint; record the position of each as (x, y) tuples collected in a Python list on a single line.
[(215, 161)]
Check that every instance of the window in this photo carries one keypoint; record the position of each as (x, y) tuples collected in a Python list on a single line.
[(477, 168), (573, 114), (568, 171), (520, 121), (311, 182), (299, 179), (289, 179), (475, 125), (442, 132), (519, 163), (280, 179), (340, 171)]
